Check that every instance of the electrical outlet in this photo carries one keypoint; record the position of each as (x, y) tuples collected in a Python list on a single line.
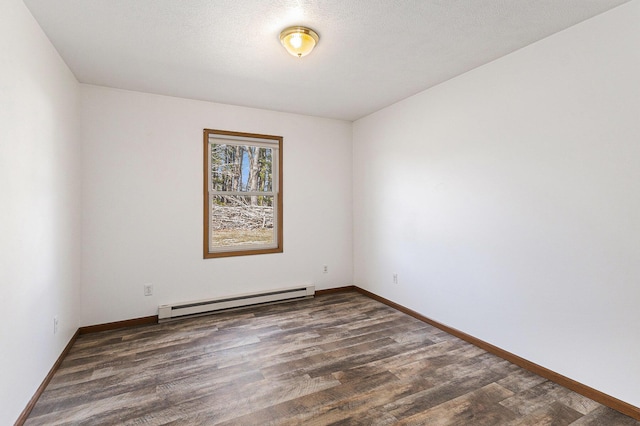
[(55, 325), (395, 278), (148, 289), (325, 269)]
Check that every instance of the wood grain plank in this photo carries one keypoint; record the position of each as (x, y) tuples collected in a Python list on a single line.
[(342, 358)]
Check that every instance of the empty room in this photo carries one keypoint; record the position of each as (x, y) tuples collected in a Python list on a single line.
[(321, 212)]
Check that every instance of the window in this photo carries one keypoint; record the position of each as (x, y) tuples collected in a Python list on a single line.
[(242, 194)]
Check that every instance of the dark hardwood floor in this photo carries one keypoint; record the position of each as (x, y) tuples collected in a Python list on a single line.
[(341, 359)]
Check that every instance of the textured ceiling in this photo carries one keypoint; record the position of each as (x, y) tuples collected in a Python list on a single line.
[(371, 54)]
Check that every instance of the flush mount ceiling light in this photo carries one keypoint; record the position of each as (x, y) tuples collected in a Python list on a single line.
[(299, 41)]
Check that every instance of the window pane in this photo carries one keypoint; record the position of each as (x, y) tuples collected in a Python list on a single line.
[(242, 181), (241, 168), (241, 220)]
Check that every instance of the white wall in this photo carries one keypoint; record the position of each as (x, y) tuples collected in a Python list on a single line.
[(39, 207), (508, 201), (142, 203)]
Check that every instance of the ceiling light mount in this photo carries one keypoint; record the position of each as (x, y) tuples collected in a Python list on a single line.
[(299, 41)]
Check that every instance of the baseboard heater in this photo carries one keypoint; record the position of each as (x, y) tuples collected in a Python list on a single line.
[(202, 307)]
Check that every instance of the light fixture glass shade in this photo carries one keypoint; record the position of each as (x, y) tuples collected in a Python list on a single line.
[(299, 41)]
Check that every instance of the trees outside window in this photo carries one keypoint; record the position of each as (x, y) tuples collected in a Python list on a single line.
[(242, 193)]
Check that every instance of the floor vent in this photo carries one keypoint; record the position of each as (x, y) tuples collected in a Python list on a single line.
[(201, 307)]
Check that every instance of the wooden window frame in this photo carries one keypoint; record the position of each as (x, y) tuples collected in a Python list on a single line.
[(278, 219)]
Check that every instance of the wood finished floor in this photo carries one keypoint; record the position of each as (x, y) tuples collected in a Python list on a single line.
[(340, 359)]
